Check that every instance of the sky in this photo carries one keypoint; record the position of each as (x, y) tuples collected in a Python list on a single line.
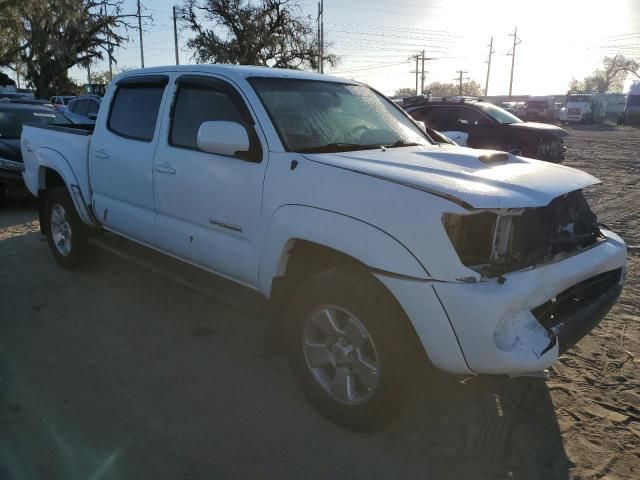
[(374, 40)]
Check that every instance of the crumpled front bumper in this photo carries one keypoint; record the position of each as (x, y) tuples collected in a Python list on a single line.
[(517, 326), (501, 327)]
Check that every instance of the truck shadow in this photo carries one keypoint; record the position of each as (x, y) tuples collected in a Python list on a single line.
[(490, 427), (139, 364)]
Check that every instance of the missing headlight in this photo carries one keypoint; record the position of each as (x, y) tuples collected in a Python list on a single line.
[(494, 242)]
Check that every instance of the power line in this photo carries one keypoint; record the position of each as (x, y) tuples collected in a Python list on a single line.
[(392, 28), (371, 67), (388, 35)]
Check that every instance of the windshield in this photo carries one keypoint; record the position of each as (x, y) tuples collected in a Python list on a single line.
[(11, 121), (317, 116), (500, 115)]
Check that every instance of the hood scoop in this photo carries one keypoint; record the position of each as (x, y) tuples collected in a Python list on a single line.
[(490, 158)]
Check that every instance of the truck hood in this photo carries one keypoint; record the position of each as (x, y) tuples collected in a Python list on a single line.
[(469, 177)]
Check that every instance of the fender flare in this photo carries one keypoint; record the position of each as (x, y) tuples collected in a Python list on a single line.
[(51, 159), (366, 243)]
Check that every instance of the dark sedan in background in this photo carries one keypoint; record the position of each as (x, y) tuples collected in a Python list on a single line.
[(12, 117), (491, 127)]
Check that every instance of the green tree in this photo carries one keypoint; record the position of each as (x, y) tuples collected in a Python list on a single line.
[(405, 92), (9, 32), (55, 35), (262, 32), (469, 89), (101, 77), (609, 78)]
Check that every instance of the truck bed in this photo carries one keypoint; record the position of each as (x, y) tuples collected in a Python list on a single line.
[(76, 129), (63, 148)]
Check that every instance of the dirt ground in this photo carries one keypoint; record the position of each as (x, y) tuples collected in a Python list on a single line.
[(130, 372)]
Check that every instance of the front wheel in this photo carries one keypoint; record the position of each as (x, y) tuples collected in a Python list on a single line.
[(66, 233), (350, 348)]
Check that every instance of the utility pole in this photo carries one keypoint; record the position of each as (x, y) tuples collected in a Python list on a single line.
[(175, 35), (318, 35), (422, 76), (516, 41), (417, 57), (459, 79), (109, 47), (88, 73), (140, 30), (491, 52), (321, 36)]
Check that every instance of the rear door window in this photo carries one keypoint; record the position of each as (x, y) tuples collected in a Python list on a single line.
[(134, 110)]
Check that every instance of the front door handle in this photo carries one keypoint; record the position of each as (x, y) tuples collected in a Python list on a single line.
[(165, 168), (101, 153)]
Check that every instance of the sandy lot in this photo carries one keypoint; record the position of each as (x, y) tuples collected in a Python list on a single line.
[(119, 372)]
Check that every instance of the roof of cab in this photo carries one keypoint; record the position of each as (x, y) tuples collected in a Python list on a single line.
[(244, 71)]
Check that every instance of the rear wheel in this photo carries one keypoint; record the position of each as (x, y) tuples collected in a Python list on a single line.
[(350, 348), (66, 233)]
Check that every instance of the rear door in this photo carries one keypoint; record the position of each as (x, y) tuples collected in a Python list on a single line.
[(121, 156), (209, 205)]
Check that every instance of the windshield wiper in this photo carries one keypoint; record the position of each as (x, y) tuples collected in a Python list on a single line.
[(338, 147), (402, 143)]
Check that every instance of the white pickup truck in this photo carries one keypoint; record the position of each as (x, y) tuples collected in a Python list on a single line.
[(378, 248)]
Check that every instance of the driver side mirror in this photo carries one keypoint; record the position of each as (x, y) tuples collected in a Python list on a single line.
[(92, 116), (223, 138)]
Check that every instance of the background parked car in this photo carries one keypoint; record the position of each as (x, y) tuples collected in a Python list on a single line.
[(60, 102), (12, 117), (84, 109), (489, 126)]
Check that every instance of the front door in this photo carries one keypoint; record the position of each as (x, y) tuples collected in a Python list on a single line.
[(481, 128), (208, 205)]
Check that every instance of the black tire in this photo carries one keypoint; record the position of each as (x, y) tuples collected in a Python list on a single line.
[(59, 198), (361, 294)]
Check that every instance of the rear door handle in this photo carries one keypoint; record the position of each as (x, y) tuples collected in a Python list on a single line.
[(101, 153), (165, 168)]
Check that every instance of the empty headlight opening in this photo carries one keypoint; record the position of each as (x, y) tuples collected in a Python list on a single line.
[(494, 242)]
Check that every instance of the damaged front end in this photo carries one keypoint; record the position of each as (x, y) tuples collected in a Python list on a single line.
[(494, 242), (550, 285)]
